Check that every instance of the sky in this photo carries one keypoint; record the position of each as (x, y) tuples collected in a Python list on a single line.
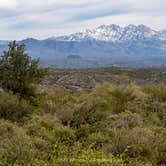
[(20, 19)]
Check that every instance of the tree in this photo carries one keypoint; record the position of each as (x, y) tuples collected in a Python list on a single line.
[(18, 72)]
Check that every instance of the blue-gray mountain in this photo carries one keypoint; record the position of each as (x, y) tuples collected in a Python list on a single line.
[(111, 45)]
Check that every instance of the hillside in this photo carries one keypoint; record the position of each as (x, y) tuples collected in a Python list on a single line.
[(86, 79), (111, 124)]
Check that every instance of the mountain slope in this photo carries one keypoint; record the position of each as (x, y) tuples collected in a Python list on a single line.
[(115, 33), (112, 45)]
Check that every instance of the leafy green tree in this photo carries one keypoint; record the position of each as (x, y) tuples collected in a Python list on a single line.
[(18, 72)]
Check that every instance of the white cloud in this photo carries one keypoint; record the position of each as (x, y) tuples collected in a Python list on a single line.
[(8, 4), (43, 18)]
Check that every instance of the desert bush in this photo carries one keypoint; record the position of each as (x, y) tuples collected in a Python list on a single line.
[(121, 139), (65, 116), (64, 135), (139, 103), (15, 145), (121, 96), (79, 156), (39, 128), (115, 98), (97, 140), (83, 132), (45, 130), (157, 108), (151, 119), (12, 108), (42, 148), (102, 91), (88, 113), (139, 152), (48, 128), (35, 128), (93, 107), (112, 125), (57, 100), (159, 144), (126, 120), (156, 92)]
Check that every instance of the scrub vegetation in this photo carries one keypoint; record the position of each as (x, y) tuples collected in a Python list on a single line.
[(117, 124)]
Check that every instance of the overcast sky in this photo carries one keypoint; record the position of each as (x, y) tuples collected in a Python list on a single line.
[(44, 18)]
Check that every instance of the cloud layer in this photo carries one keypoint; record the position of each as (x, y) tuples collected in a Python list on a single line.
[(40, 18)]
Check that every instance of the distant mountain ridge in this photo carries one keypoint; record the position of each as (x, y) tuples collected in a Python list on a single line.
[(115, 33), (107, 45)]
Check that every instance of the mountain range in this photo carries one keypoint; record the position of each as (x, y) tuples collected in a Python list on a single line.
[(115, 33), (106, 45)]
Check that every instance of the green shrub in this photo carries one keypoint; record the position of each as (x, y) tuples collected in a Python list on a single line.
[(139, 152), (120, 139), (112, 125), (56, 99), (160, 144), (79, 156), (121, 96), (15, 145), (88, 113), (48, 128), (97, 140), (157, 108), (12, 108), (41, 126), (156, 92), (64, 135), (65, 116), (126, 120)]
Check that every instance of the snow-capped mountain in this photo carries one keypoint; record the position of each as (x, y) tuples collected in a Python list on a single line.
[(115, 33), (107, 45)]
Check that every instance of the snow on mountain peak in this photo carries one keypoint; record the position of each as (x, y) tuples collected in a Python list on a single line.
[(115, 33)]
